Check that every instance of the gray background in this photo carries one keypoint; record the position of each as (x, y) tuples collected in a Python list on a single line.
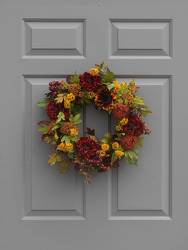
[(131, 208)]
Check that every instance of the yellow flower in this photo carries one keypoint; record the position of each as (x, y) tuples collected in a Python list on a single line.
[(103, 153), (62, 146), (124, 121), (69, 147), (67, 104), (93, 72), (119, 153), (104, 146), (115, 145), (117, 87), (73, 131), (70, 97), (91, 95), (118, 128), (124, 84)]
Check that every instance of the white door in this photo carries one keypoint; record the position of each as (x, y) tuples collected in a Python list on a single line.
[(131, 208)]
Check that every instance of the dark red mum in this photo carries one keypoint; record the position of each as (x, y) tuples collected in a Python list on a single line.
[(134, 126), (87, 147), (89, 82), (53, 110)]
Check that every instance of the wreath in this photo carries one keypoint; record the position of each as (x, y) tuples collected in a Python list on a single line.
[(64, 103)]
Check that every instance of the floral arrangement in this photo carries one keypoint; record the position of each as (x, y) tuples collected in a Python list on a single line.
[(63, 105)]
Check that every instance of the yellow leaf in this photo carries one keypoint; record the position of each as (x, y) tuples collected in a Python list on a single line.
[(48, 139), (63, 166), (58, 158), (53, 159), (99, 66), (60, 98), (93, 138), (53, 144), (77, 159)]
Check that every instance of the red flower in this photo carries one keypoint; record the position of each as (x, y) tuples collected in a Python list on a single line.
[(128, 142), (89, 82), (120, 111), (53, 110), (105, 98), (87, 147), (134, 126)]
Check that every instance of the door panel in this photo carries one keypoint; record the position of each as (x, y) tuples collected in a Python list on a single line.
[(127, 208)]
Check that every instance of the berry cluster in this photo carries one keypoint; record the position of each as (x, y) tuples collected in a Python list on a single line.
[(55, 87)]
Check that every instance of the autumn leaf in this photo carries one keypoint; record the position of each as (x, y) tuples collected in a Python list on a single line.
[(53, 144), (77, 159), (99, 66), (44, 129), (48, 139), (93, 138), (43, 123), (60, 98), (90, 131), (63, 166), (54, 158)]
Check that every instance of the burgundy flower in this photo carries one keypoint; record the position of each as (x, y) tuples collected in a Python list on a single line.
[(89, 82), (87, 147), (53, 110), (134, 126)]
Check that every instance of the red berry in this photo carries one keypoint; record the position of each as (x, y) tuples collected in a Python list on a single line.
[(51, 83), (51, 88), (54, 93)]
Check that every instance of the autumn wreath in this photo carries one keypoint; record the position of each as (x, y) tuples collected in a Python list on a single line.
[(63, 105)]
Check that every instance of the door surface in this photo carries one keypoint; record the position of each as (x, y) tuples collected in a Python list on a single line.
[(130, 208)]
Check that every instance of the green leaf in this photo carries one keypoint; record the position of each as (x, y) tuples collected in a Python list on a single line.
[(85, 99), (57, 126), (114, 157), (61, 116), (135, 151), (66, 85), (99, 108), (110, 86), (105, 140), (56, 136), (108, 77), (130, 154), (125, 102), (44, 129), (120, 100), (76, 118), (71, 155), (73, 138), (76, 109), (93, 138), (138, 101), (140, 141), (44, 102), (132, 160), (80, 173), (75, 78), (108, 135), (66, 139)]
